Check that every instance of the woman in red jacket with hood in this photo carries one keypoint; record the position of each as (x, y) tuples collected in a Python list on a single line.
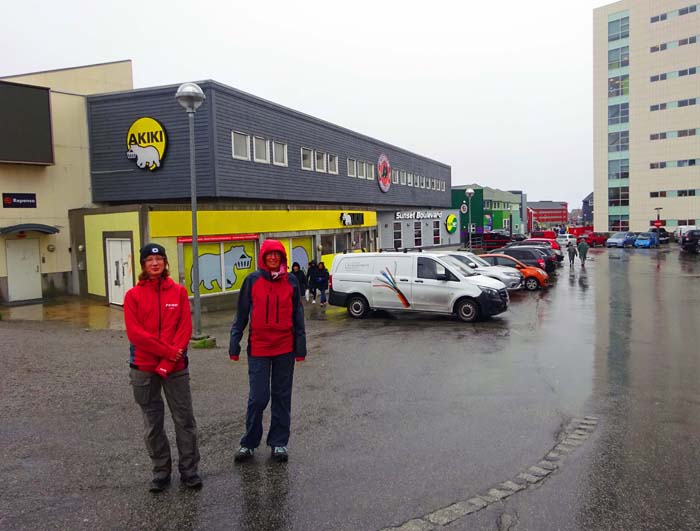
[(270, 299), (159, 326)]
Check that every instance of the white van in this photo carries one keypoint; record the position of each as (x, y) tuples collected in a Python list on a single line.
[(565, 239), (421, 282)]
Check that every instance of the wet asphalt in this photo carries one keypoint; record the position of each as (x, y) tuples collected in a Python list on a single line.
[(394, 416)]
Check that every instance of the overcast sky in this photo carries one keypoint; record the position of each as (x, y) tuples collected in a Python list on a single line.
[(500, 91)]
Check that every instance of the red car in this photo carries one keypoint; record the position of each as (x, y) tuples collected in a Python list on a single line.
[(594, 239), (553, 243)]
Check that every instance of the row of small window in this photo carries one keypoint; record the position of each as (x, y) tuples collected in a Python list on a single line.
[(619, 141), (618, 57), (407, 178), (496, 205), (674, 104), (674, 134), (672, 44), (618, 169), (417, 234), (619, 113), (618, 86), (675, 193), (360, 169), (618, 29), (261, 149), (619, 196), (674, 164), (671, 75), (320, 161), (679, 12)]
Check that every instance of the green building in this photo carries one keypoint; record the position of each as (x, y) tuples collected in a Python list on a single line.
[(492, 209)]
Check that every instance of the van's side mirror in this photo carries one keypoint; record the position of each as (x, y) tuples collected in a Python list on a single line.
[(472, 265), (443, 277)]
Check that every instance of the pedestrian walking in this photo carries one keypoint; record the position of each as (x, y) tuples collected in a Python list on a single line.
[(301, 278), (582, 252), (270, 300), (322, 277), (159, 327), (311, 280), (571, 250)]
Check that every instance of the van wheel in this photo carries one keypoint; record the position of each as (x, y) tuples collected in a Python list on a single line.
[(467, 310), (358, 307), (531, 284)]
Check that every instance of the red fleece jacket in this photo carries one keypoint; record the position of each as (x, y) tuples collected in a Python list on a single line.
[(158, 323)]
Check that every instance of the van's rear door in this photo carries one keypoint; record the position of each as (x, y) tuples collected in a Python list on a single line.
[(391, 284)]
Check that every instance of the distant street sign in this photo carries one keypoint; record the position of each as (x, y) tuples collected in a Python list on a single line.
[(657, 223), (463, 208)]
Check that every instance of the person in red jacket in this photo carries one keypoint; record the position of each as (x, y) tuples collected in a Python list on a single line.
[(271, 300), (159, 326)]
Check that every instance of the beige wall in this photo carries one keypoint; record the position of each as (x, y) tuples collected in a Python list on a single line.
[(643, 122), (64, 185)]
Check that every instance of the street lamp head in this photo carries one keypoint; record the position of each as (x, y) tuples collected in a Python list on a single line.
[(190, 96), (469, 193)]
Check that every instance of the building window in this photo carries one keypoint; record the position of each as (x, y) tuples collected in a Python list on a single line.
[(444, 186), (261, 151), (618, 86), (279, 153), (618, 114), (402, 178), (618, 29), (361, 174), (409, 179), (418, 234), (619, 169), (619, 196), (352, 168), (618, 223), (307, 159), (618, 57), (423, 180), (397, 235), (618, 141), (241, 146), (395, 176), (370, 171), (333, 164), (436, 233), (321, 161)]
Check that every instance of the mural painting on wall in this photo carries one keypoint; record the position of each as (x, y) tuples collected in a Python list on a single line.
[(215, 276), (301, 252)]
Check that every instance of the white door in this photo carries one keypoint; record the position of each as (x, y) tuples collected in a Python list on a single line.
[(120, 277), (23, 269), (391, 285), (429, 293)]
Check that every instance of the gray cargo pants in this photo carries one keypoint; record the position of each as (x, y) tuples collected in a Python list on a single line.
[(147, 386)]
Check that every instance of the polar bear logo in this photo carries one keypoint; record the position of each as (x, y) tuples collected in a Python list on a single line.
[(146, 157), (210, 267), (346, 219)]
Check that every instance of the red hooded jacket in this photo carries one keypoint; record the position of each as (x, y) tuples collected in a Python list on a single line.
[(158, 323), (272, 303)]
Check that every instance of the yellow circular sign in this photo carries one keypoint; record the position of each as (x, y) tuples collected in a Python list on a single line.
[(451, 223), (145, 142)]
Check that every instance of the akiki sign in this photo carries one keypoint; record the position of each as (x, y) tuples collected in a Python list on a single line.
[(418, 214), (146, 143)]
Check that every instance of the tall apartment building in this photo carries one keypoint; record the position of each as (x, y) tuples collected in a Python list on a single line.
[(646, 114)]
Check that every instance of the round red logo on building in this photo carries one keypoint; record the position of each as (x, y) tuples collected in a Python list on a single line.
[(384, 173)]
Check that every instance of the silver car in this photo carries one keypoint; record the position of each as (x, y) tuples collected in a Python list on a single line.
[(511, 277)]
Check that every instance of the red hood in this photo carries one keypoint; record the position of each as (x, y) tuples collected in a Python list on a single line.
[(272, 245)]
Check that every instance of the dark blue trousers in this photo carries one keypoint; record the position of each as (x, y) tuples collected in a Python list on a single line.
[(269, 376)]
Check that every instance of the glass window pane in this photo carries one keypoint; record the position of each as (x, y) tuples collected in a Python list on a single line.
[(240, 146)]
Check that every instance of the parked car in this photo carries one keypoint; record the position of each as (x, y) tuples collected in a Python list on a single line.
[(664, 236), (494, 240), (566, 239), (646, 240), (519, 237), (551, 255), (531, 256), (543, 234), (510, 277), (681, 230), (621, 239), (552, 243), (690, 241), (422, 282), (533, 277), (594, 239)]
